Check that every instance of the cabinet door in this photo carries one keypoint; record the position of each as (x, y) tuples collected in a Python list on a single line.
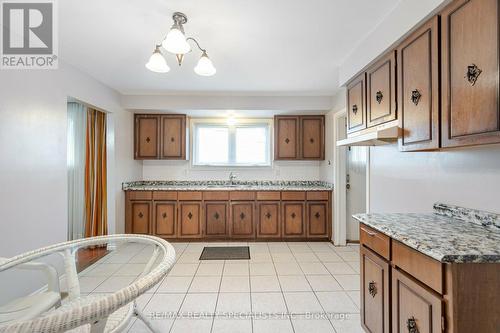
[(293, 217), (418, 90), (147, 130), (215, 219), (381, 90), (374, 292), (317, 219), (190, 220), (173, 137), (286, 136), (312, 137), (269, 225), (165, 218), (242, 220), (470, 62), (356, 104), (413, 306), (141, 217)]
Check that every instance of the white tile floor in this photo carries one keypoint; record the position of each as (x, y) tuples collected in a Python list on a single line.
[(284, 287)]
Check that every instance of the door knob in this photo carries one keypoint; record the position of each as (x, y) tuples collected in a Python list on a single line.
[(348, 186)]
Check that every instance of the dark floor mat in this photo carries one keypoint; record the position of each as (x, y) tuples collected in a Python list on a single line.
[(225, 253)]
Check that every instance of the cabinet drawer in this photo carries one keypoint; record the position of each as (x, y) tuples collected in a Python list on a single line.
[(246, 195), (216, 195), (188, 196), (420, 266), (140, 195), (414, 308), (375, 240), (293, 195), (265, 196), (161, 195), (317, 195)]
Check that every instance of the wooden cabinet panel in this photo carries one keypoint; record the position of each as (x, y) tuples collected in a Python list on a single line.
[(140, 217), (470, 76), (216, 218), (293, 220), (418, 89), (381, 91), (413, 306), (190, 195), (312, 134), (268, 195), (147, 131), (317, 195), (190, 219), (165, 195), (173, 137), (216, 195), (374, 292), (269, 223), (286, 137), (242, 221), (165, 218), (317, 219), (356, 104), (375, 240), (293, 195), (242, 195)]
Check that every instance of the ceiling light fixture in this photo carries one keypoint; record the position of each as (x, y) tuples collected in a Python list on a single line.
[(176, 42)]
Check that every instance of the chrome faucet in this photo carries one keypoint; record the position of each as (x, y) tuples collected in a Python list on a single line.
[(232, 177)]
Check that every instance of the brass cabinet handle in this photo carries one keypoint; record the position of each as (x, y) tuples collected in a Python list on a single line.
[(164, 215), (379, 96), (293, 215), (411, 324), (172, 139), (287, 140), (268, 215), (317, 215), (415, 96), (141, 215), (372, 289), (190, 215), (472, 74), (216, 215), (148, 139), (354, 109), (242, 216)]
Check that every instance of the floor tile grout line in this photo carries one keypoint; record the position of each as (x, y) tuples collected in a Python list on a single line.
[(283, 294), (218, 294)]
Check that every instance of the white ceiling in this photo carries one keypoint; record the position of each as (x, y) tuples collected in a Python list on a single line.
[(258, 46)]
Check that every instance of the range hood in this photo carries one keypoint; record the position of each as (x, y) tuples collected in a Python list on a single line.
[(377, 136)]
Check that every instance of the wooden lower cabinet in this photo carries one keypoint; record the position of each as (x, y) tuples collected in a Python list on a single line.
[(268, 214), (141, 217), (190, 220), (242, 220), (375, 283), (293, 220), (317, 219), (216, 219), (414, 308), (165, 219)]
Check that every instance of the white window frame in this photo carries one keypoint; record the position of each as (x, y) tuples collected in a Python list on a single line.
[(195, 122)]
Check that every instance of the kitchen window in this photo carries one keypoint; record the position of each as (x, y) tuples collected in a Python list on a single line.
[(247, 143)]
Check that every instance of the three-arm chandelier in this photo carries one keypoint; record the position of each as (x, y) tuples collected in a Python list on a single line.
[(177, 43)]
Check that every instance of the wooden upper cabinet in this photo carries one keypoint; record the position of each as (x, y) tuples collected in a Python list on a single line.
[(216, 218), (173, 137), (356, 104), (418, 89), (286, 136), (312, 137), (165, 218), (242, 221), (413, 306), (190, 220), (381, 90), (160, 137), (470, 75), (375, 295), (147, 130)]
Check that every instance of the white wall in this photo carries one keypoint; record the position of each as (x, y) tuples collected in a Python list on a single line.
[(182, 170), (33, 176)]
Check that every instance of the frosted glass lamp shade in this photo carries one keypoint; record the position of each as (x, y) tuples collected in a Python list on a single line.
[(175, 42), (157, 63), (205, 67)]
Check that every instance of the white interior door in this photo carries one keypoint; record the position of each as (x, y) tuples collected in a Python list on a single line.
[(355, 189)]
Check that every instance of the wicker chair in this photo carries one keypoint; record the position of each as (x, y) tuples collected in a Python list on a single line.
[(93, 313)]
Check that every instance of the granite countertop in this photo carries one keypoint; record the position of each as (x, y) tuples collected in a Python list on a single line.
[(450, 234), (214, 185)]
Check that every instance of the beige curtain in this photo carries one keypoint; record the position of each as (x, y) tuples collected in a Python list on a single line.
[(96, 223)]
